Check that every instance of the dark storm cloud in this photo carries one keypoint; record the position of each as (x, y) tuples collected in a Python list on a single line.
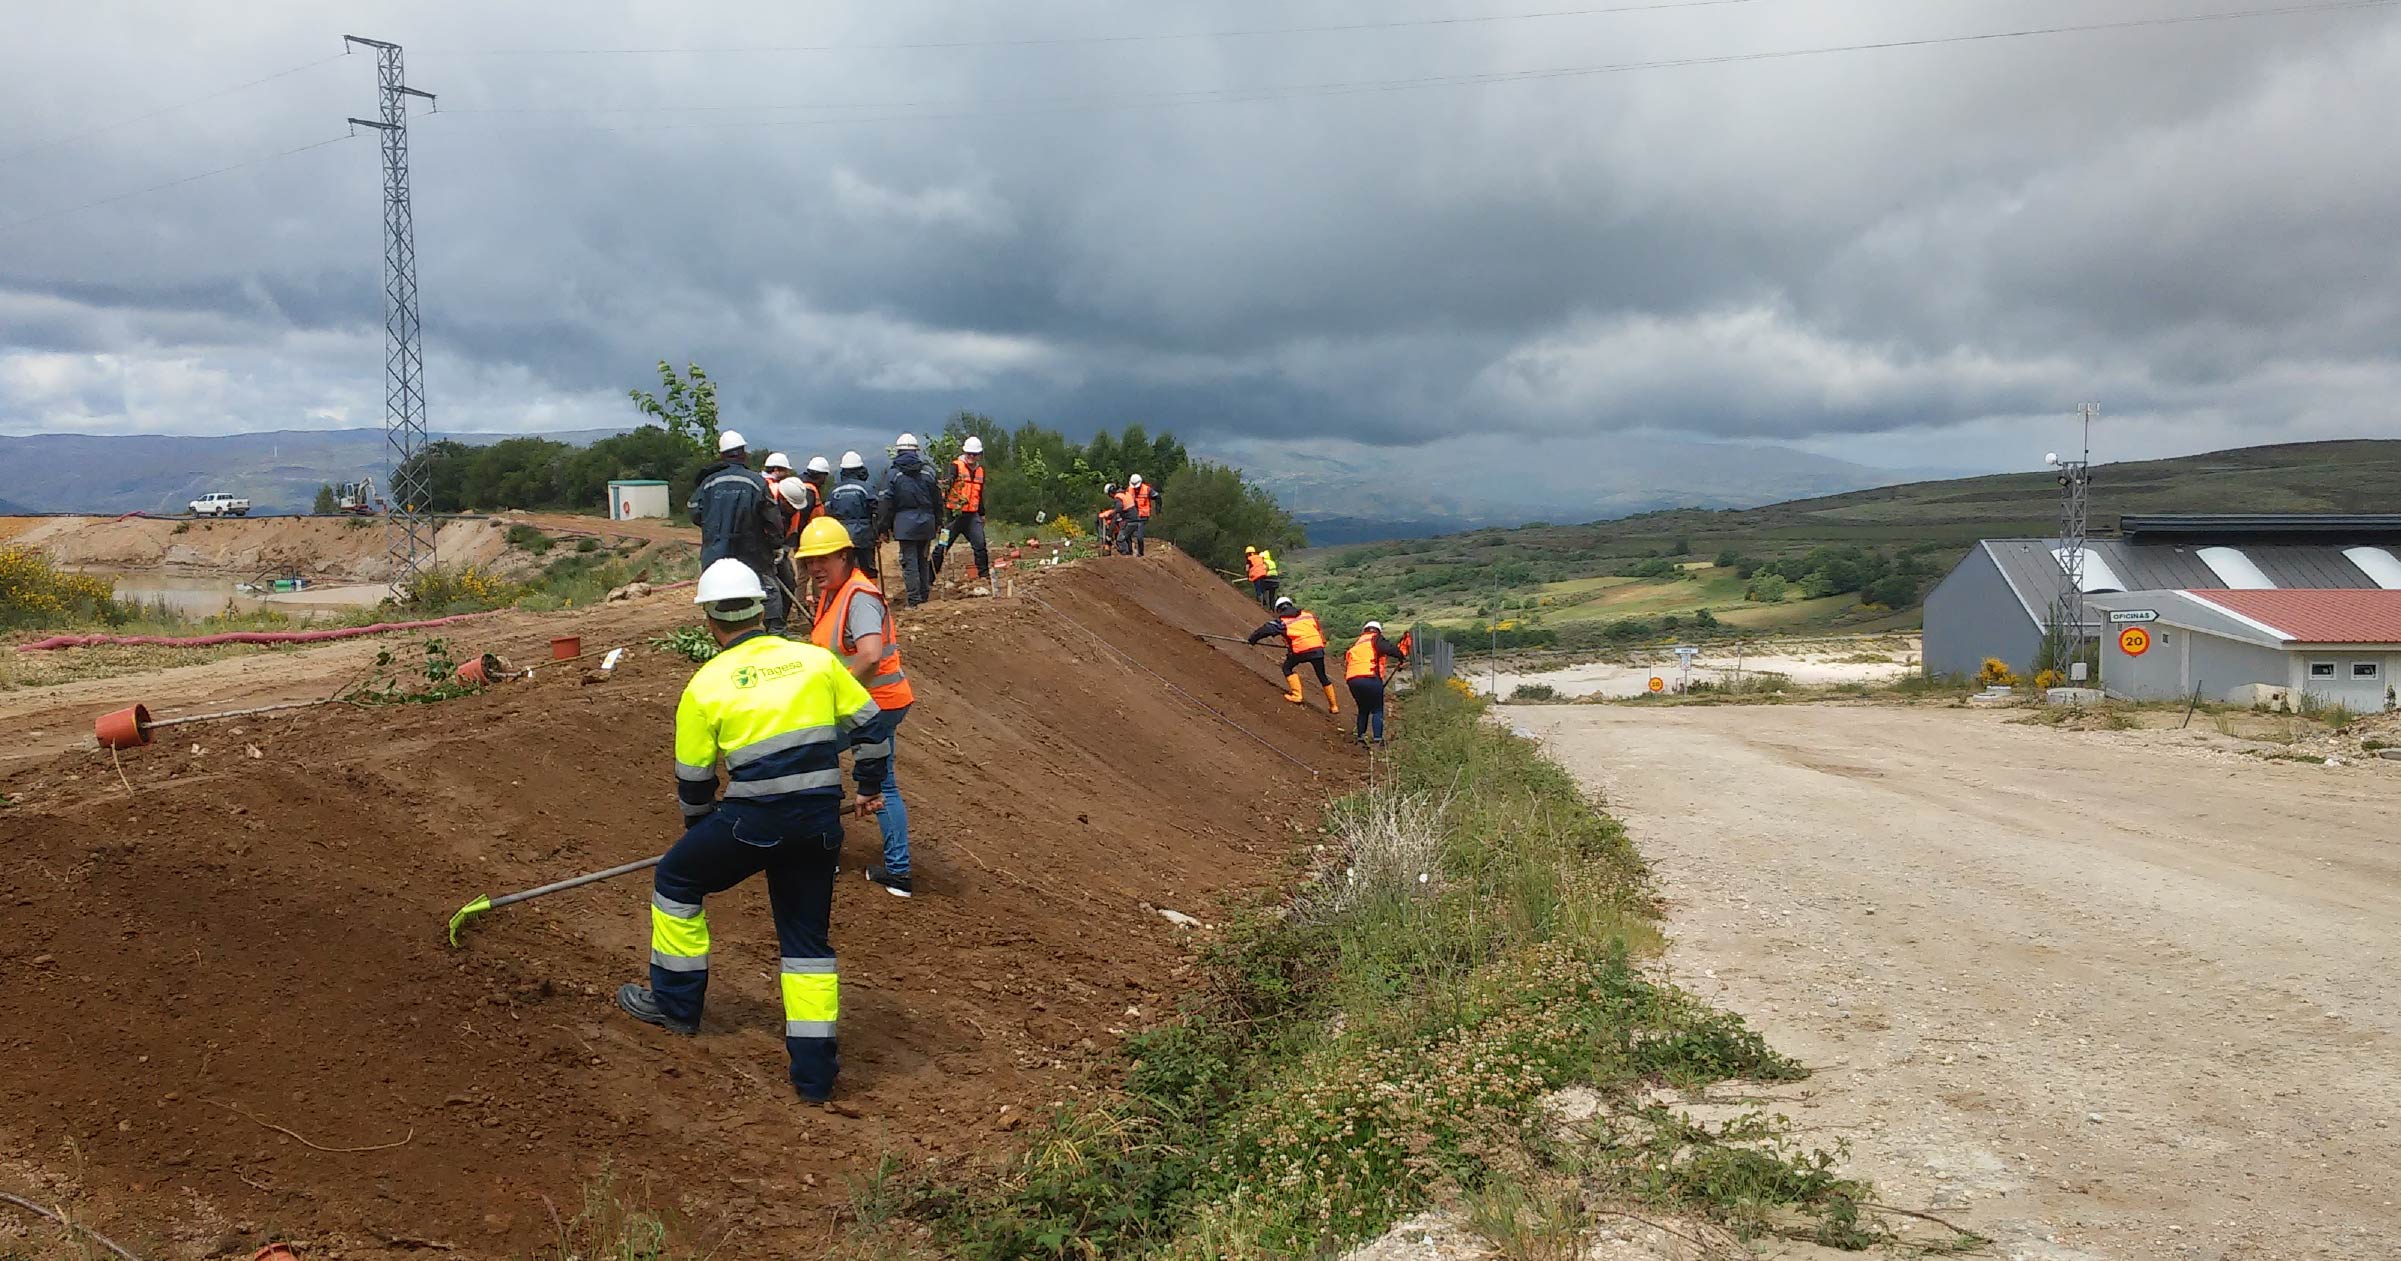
[(2193, 223)]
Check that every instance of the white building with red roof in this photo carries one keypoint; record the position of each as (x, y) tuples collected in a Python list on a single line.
[(2253, 645)]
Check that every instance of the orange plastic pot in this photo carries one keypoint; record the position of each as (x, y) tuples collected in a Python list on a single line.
[(566, 646), (275, 1252), (127, 728), (480, 670)]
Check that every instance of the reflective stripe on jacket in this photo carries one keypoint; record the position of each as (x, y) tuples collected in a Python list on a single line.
[(890, 684), (966, 487), (777, 712)]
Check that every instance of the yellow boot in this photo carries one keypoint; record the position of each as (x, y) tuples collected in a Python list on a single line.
[(1292, 688), (1332, 706)]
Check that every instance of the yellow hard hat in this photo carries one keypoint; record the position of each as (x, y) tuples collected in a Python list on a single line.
[(823, 537)]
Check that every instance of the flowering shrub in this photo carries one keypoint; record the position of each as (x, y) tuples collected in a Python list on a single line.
[(465, 589), (1996, 673), (35, 593)]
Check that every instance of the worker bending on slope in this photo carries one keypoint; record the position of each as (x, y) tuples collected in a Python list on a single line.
[(1363, 669), (853, 504), (777, 712), (1106, 522), (737, 519), (1304, 644), (964, 499), (853, 622), (804, 495), (1129, 518), (1258, 567)]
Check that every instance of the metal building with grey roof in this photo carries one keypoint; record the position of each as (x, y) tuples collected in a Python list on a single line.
[(1998, 602)]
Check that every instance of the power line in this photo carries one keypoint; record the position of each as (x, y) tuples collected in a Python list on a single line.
[(173, 183), (88, 133), (978, 108), (1071, 40)]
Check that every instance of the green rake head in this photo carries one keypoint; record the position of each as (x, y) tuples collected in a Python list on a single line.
[(481, 904)]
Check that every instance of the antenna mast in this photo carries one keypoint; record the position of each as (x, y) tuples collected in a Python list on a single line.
[(408, 528), (2075, 502)]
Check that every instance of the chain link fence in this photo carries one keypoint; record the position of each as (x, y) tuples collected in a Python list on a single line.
[(1429, 655)]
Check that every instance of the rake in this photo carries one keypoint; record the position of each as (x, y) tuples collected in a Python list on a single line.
[(486, 902)]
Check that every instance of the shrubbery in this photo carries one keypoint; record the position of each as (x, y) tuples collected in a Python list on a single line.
[(38, 594)]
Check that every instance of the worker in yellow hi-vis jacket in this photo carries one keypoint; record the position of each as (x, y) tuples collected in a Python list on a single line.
[(778, 712)]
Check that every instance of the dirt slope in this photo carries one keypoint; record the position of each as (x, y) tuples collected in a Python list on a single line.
[(252, 942), (243, 547)]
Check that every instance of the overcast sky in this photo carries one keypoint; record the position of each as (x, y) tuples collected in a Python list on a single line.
[(1917, 256)]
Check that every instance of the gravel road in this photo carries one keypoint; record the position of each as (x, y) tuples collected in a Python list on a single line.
[(2096, 994)]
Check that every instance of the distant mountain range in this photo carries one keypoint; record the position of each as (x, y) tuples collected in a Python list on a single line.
[(278, 471), (1348, 493), (1345, 492)]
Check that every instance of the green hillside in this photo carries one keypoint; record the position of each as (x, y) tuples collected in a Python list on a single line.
[(1857, 561)]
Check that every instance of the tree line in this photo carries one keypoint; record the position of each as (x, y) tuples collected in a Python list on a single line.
[(1032, 473)]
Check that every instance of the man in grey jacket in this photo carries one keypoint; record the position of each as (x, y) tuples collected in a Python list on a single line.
[(911, 512), (738, 518)]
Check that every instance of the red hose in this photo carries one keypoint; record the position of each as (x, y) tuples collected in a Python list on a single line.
[(242, 637)]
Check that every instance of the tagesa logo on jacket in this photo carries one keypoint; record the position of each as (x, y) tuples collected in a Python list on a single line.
[(752, 676)]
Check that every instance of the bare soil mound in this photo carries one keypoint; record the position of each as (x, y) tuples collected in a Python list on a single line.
[(321, 547), (231, 1014)]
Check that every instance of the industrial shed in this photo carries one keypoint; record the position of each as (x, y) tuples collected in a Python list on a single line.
[(1998, 601), (2253, 646)]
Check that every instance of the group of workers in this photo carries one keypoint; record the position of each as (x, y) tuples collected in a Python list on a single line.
[(758, 516), (1124, 520), (778, 711)]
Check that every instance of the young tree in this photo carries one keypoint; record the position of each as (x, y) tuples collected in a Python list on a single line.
[(685, 406), (325, 501)]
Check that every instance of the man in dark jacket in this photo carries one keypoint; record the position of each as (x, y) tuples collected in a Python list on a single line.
[(852, 503), (738, 518), (911, 512)]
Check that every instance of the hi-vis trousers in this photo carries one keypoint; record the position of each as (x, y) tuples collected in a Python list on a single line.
[(797, 847)]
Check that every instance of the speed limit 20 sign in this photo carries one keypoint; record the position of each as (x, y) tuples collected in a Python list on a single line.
[(2134, 641)]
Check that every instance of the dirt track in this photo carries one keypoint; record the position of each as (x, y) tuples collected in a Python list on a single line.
[(244, 942), (2097, 994)]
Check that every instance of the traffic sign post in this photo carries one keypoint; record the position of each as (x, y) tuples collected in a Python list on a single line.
[(2134, 641)]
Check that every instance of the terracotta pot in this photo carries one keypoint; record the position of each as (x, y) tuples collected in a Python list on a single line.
[(566, 646), (127, 728), (480, 670)]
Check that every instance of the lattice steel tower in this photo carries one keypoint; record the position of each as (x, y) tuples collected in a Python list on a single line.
[(408, 528), (2075, 503)]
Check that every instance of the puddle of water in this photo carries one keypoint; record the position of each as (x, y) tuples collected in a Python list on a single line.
[(204, 595)]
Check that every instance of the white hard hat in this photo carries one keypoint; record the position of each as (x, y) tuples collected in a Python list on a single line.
[(1282, 603), (850, 459), (730, 579), (730, 440), (973, 445), (907, 442), (779, 460), (1374, 625), (1135, 480), (817, 464), (794, 491)]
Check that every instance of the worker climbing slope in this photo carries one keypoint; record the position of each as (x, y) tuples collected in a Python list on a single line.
[(1364, 670), (1304, 644), (1258, 567), (853, 622), (776, 711), (963, 498)]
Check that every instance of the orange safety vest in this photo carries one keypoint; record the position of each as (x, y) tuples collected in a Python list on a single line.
[(1142, 499), (1362, 661), (889, 685), (1125, 501), (1254, 566), (966, 487), (1302, 633)]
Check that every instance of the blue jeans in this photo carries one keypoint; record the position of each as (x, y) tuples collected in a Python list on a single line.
[(796, 846), (1367, 696), (895, 819)]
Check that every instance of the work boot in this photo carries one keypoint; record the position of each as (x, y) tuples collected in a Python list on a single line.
[(1292, 688), (642, 1005), (1332, 706), (897, 886)]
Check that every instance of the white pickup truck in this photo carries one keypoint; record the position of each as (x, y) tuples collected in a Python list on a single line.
[(220, 504)]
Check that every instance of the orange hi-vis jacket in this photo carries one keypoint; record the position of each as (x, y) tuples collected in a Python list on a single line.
[(966, 487), (1125, 503), (1254, 566), (1143, 495), (1364, 659), (801, 516), (889, 685), (1302, 633)]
